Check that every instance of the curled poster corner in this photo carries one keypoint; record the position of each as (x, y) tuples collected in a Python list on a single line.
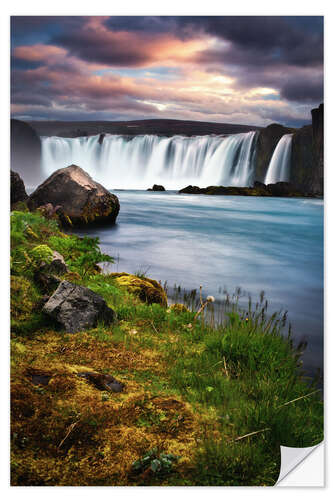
[(292, 457)]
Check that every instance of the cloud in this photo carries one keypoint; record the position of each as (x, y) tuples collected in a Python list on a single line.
[(252, 70), (39, 52)]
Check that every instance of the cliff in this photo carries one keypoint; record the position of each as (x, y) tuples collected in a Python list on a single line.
[(25, 151), (307, 157), (266, 143), (166, 128)]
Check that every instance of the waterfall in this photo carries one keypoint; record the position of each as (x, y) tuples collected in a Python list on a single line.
[(279, 166), (124, 162)]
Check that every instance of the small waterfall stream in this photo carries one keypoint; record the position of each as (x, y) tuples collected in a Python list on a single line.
[(279, 166), (124, 162)]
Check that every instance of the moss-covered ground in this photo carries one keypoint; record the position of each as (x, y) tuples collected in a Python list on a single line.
[(202, 405)]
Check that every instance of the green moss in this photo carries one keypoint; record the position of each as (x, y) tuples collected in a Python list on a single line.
[(146, 289), (23, 297)]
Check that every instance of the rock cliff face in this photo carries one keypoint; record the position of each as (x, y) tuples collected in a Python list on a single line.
[(25, 151), (307, 157), (302, 159), (17, 189), (266, 143), (82, 200), (318, 147)]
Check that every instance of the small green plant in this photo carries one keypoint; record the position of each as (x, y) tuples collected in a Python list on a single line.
[(39, 254), (82, 254), (157, 463)]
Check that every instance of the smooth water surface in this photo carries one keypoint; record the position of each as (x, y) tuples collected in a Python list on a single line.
[(269, 244)]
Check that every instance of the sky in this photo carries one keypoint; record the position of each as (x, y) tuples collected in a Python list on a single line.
[(246, 70)]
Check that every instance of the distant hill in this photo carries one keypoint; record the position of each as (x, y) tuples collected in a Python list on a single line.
[(137, 127)]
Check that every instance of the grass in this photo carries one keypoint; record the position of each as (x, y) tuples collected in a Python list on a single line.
[(221, 396)]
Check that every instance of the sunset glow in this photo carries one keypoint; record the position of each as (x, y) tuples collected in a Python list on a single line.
[(122, 68)]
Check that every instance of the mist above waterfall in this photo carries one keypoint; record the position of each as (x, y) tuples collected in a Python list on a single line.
[(123, 162), (279, 166)]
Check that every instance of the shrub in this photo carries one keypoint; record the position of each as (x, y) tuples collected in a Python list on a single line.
[(82, 254)]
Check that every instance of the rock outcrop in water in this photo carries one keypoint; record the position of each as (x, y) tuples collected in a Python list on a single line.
[(156, 187), (267, 141), (83, 200), (25, 151), (17, 189), (280, 189)]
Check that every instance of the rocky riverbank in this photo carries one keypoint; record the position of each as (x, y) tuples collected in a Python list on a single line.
[(110, 385)]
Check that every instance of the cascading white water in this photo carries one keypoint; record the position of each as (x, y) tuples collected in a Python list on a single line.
[(279, 166), (123, 162)]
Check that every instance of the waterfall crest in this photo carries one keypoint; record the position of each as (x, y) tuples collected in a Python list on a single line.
[(279, 166), (124, 162)]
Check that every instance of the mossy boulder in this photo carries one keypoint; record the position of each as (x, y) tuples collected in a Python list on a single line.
[(83, 200), (146, 289)]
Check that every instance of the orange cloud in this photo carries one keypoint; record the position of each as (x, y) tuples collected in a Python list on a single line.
[(38, 52)]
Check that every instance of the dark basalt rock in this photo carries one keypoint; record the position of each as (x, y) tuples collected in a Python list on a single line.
[(190, 190), (103, 382), (283, 189), (307, 156), (76, 307), (317, 185), (82, 200), (318, 136), (302, 159), (17, 189), (47, 282), (25, 151), (101, 139), (266, 144), (56, 266), (156, 187)]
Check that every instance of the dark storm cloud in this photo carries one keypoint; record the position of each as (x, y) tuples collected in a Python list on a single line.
[(311, 91), (67, 66), (292, 40)]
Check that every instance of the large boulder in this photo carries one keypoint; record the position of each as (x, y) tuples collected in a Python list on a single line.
[(83, 200), (77, 308), (148, 290), (25, 151), (17, 189)]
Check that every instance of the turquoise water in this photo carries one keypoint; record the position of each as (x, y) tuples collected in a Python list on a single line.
[(269, 244)]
